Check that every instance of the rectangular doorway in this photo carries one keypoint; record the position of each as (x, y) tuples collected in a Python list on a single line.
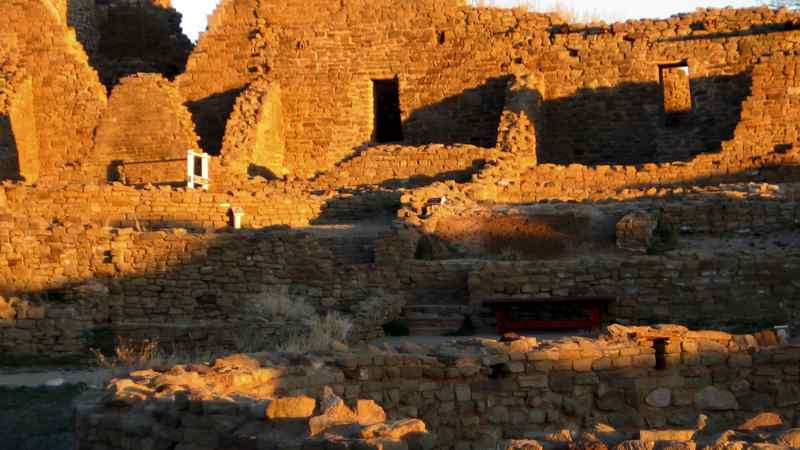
[(677, 91), (388, 122)]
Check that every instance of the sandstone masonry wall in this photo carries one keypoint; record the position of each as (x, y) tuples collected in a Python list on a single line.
[(471, 395), (19, 145), (136, 131), (254, 140), (69, 96)]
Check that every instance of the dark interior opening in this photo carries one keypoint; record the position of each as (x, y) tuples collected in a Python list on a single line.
[(388, 122), (660, 346)]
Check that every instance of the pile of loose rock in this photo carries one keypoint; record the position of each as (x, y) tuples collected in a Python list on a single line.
[(766, 431), (237, 403)]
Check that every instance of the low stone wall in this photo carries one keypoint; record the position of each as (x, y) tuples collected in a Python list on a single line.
[(471, 394), (398, 166), (717, 288), (165, 207)]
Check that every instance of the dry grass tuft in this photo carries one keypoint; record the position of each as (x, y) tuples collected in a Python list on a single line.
[(324, 334), (277, 304), (146, 355), (128, 354)]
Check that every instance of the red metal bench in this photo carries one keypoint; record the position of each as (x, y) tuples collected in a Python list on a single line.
[(562, 313)]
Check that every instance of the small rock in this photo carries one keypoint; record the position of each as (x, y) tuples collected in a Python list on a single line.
[(789, 438), (715, 399), (522, 445), (334, 413), (369, 413), (659, 398), (394, 430), (291, 408), (767, 420)]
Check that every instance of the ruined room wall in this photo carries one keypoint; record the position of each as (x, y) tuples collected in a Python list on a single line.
[(146, 122), (522, 119), (254, 140), (328, 103), (19, 143), (402, 166), (453, 67), (69, 96), (604, 101), (479, 394), (222, 64), (761, 146)]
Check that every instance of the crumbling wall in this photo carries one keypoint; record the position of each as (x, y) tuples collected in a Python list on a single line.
[(226, 59), (69, 96), (254, 136), (394, 166), (475, 394), (453, 67), (19, 146), (522, 117), (145, 122)]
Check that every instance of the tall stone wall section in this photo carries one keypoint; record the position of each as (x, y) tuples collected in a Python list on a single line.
[(226, 59), (453, 67), (138, 132), (19, 145), (254, 140), (69, 96)]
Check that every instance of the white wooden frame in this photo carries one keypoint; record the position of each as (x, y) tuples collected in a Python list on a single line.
[(194, 181)]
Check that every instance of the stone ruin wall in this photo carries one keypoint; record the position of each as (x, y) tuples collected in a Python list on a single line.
[(720, 48), (471, 397), (138, 130), (57, 243), (18, 139), (68, 95), (432, 56)]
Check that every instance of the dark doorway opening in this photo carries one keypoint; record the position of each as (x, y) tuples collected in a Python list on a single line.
[(388, 123)]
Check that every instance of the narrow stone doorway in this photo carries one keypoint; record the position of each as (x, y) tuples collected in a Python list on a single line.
[(388, 122), (677, 91)]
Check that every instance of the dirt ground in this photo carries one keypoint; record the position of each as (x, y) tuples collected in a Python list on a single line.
[(37, 418)]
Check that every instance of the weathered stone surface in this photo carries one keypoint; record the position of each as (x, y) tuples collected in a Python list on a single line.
[(715, 399), (369, 413), (789, 438), (766, 420), (659, 398), (522, 445), (666, 435), (635, 231), (334, 413), (291, 408), (394, 430)]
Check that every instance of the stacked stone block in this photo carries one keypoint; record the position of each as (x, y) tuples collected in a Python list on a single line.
[(150, 138), (475, 395)]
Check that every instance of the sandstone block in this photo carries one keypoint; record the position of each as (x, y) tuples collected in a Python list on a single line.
[(715, 399), (394, 430), (291, 408), (659, 398)]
